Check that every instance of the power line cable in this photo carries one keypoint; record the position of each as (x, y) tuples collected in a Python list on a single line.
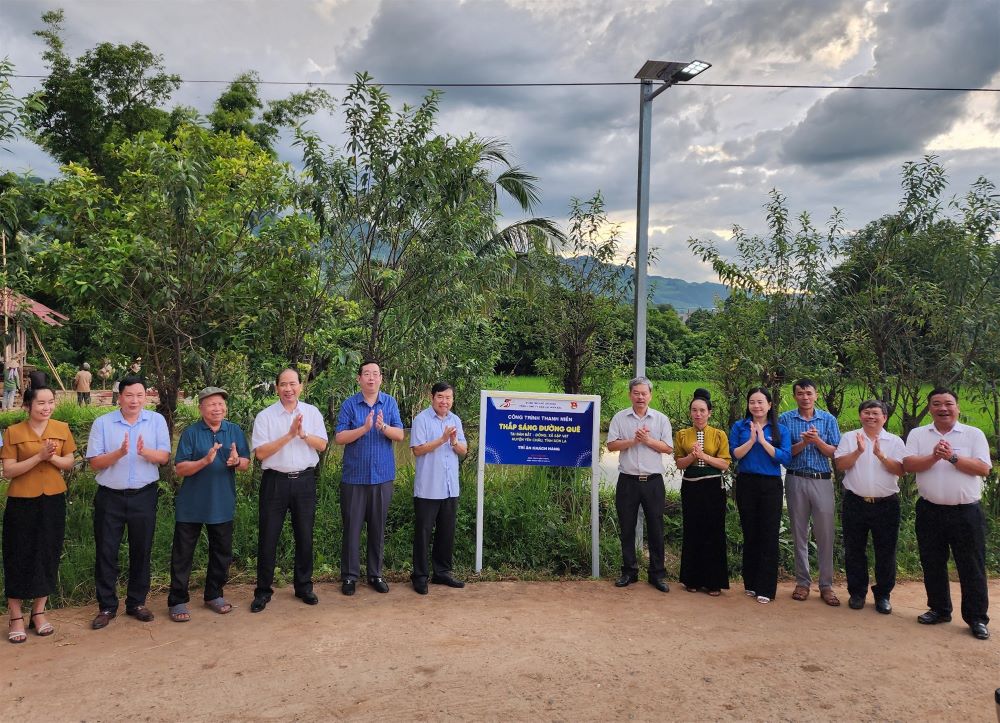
[(779, 86)]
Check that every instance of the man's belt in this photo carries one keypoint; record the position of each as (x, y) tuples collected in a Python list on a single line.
[(641, 477), (810, 475), (874, 500), (293, 475)]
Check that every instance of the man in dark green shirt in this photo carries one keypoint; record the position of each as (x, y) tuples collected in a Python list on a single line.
[(209, 453)]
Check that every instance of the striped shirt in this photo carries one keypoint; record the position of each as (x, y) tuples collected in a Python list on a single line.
[(811, 459), (368, 460)]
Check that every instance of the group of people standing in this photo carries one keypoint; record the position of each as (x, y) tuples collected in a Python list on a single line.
[(949, 460), (128, 446)]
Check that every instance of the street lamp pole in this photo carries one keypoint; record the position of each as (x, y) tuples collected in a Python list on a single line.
[(669, 73)]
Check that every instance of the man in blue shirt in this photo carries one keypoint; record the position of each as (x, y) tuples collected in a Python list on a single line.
[(367, 425), (809, 488), (437, 441), (126, 448), (209, 453)]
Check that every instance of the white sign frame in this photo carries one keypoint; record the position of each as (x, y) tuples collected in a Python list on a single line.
[(595, 471)]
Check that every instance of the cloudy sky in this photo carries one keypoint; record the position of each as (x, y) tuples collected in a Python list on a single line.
[(717, 151)]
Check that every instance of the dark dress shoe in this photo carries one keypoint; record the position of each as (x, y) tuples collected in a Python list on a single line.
[(855, 602), (980, 631), (309, 598), (626, 580), (882, 605), (347, 587), (660, 585), (420, 586), (933, 617), (141, 613), (378, 584), (259, 603), (103, 618), (447, 580)]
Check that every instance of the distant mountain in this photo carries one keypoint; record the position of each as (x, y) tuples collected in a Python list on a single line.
[(682, 295), (686, 295)]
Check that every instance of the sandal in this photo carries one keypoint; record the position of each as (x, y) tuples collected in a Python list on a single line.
[(688, 588), (45, 629), (750, 593), (219, 605), (800, 593), (16, 636), (829, 597), (714, 593), (763, 600), (179, 613)]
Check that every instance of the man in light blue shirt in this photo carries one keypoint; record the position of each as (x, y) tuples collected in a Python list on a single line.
[(809, 488), (437, 441), (126, 448)]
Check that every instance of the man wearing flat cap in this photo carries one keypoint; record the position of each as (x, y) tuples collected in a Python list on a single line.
[(209, 453)]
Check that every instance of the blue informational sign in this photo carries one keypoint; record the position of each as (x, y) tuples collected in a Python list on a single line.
[(539, 431)]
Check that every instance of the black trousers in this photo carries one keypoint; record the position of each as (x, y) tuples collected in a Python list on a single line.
[(703, 552), (962, 530), (220, 556), (880, 519), (630, 493), (116, 511), (758, 499), (363, 505), (33, 532), (437, 516), (281, 494)]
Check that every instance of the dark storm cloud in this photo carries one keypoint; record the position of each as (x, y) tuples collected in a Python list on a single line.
[(920, 42)]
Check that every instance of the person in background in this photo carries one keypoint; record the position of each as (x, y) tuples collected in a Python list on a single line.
[(126, 448), (702, 452), (641, 436), (81, 383), (872, 460), (35, 454), (438, 442), (11, 385), (760, 445), (209, 453)]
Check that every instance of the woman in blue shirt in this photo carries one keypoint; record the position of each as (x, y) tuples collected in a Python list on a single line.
[(760, 445)]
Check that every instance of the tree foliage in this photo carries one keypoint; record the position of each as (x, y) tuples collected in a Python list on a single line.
[(89, 105), (192, 253), (580, 303), (409, 219)]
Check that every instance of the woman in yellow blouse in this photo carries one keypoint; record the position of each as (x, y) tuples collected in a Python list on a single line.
[(702, 452), (35, 453)]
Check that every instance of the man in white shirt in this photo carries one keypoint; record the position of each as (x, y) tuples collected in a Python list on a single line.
[(641, 436), (872, 460), (950, 460), (287, 439)]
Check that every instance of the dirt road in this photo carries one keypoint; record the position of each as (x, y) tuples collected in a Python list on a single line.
[(508, 651)]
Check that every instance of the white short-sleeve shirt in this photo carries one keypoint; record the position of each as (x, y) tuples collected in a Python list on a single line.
[(943, 484), (868, 477), (273, 422), (640, 459)]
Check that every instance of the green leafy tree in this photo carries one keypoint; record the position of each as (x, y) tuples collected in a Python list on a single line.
[(585, 291), (918, 292), (410, 222), (240, 110), (183, 255), (776, 280), (108, 94)]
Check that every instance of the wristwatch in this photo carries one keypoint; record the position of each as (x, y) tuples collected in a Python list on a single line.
[(953, 459)]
